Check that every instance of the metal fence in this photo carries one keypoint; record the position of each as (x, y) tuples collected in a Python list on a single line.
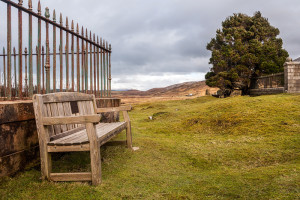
[(270, 81), (84, 60)]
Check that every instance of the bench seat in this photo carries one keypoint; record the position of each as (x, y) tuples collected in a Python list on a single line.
[(104, 131)]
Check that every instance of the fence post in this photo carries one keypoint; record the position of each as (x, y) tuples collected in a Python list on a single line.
[(8, 51), (4, 72), (26, 77), (109, 70), (78, 60), (30, 51), (47, 65), (72, 55), (67, 55), (54, 53), (91, 65), (39, 51), (61, 54), (20, 50)]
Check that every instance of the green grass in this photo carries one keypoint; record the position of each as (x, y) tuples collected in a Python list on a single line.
[(204, 148)]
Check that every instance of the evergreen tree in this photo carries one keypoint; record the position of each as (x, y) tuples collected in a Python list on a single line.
[(245, 48)]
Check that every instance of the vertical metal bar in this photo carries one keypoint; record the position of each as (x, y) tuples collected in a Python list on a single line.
[(15, 69), (54, 53), (104, 70), (91, 65), (26, 77), (67, 55), (8, 51), (37, 59), (43, 64), (86, 62), (72, 56), (98, 80), (4, 72), (109, 65), (47, 65), (95, 70), (20, 49), (30, 51), (101, 62), (107, 69), (61, 54), (78, 61), (39, 51), (82, 61)]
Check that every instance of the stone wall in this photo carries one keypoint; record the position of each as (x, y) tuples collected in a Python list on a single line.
[(266, 91), (292, 77), (18, 135)]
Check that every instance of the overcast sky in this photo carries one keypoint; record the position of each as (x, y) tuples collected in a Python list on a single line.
[(162, 42)]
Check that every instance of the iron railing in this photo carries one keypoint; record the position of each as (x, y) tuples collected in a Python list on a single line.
[(84, 61), (270, 81)]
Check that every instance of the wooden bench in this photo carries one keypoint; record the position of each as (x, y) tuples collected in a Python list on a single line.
[(69, 122)]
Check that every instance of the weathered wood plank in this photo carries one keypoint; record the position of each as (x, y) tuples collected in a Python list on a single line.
[(74, 148), (68, 112), (61, 112), (57, 128), (94, 153), (49, 114), (65, 97), (128, 129), (71, 120), (114, 109), (43, 138), (83, 176), (64, 134)]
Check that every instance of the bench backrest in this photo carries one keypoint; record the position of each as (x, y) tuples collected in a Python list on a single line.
[(63, 104)]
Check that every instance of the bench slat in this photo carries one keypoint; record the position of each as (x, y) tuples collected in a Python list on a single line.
[(82, 176), (104, 131), (61, 97)]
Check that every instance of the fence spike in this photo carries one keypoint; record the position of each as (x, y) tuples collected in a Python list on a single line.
[(54, 16), (20, 2), (67, 23), (30, 4), (39, 8), (72, 26), (47, 13), (77, 29), (61, 19)]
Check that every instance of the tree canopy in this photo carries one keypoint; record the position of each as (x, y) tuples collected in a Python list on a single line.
[(245, 47)]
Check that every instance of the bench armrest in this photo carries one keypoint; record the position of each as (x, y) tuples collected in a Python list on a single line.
[(71, 120), (114, 109)]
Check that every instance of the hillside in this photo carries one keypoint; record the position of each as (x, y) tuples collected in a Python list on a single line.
[(201, 148), (197, 88), (174, 92)]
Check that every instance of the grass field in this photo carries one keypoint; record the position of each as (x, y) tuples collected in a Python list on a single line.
[(204, 148)]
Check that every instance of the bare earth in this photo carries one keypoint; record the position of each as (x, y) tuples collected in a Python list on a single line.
[(179, 91)]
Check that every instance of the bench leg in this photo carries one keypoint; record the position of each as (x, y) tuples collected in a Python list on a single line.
[(95, 154), (46, 163), (129, 136)]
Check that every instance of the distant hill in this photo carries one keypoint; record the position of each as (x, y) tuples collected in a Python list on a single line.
[(195, 88)]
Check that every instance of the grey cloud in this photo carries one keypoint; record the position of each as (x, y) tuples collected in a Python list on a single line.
[(169, 36)]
